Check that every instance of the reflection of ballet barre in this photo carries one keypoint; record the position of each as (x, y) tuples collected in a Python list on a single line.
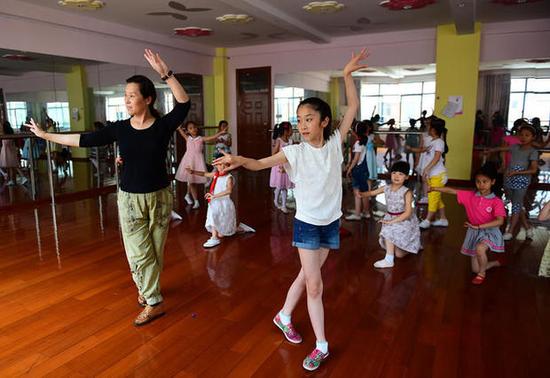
[(399, 132)]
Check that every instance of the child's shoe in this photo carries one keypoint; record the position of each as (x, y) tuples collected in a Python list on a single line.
[(441, 223), (507, 236), (196, 205), (188, 199), (246, 228), (314, 360), (288, 330), (365, 215), (530, 233), (353, 217), (425, 224), (283, 209), (212, 242)]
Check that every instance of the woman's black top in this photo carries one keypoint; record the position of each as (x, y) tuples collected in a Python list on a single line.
[(143, 151)]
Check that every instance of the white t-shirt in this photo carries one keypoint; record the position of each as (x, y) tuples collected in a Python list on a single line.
[(436, 145), (317, 176), (423, 161), (362, 149)]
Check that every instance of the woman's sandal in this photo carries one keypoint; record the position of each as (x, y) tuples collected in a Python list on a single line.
[(478, 279)]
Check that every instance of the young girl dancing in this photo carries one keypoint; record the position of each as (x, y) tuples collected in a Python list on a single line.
[(315, 168), (522, 165), (359, 172), (223, 141), (400, 234), (485, 212), (194, 158), (279, 178), (221, 217)]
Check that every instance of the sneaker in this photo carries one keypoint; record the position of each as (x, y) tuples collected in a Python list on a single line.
[(246, 228), (196, 205), (530, 233), (212, 242), (188, 199), (353, 217), (383, 264), (425, 224), (284, 209), (507, 236), (423, 201), (288, 330), (365, 215), (314, 360), (149, 314), (441, 223), (11, 183)]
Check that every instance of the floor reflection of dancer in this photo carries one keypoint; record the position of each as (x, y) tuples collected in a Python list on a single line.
[(144, 199)]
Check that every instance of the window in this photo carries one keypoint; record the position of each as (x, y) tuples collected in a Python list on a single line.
[(59, 113), (529, 98), (286, 102), (115, 110), (17, 113), (399, 101)]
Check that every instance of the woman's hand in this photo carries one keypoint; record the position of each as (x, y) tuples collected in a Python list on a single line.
[(36, 129), (119, 160), (353, 64), (231, 161), (156, 62)]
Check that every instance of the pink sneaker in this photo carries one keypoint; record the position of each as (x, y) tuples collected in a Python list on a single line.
[(288, 330), (314, 360)]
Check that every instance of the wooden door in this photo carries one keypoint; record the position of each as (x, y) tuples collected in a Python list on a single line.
[(254, 111)]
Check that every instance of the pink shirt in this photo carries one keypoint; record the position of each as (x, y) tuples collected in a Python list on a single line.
[(480, 209)]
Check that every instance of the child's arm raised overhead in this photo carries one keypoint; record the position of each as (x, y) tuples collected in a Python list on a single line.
[(182, 132), (351, 92)]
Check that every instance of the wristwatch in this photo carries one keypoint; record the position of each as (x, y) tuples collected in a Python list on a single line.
[(168, 75)]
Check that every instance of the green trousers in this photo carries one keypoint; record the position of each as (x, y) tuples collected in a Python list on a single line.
[(144, 220)]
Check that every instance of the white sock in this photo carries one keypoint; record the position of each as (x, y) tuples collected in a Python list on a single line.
[(322, 346), (389, 258), (285, 319)]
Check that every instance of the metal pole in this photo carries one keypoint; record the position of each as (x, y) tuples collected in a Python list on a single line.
[(52, 197), (31, 169)]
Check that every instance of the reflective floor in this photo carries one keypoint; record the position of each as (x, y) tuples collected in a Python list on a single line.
[(69, 301)]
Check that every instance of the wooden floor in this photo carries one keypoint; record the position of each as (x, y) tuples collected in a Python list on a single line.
[(68, 306)]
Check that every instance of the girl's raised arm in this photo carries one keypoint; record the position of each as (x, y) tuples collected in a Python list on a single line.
[(351, 92)]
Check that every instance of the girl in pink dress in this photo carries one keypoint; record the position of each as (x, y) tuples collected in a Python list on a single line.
[(193, 159), (279, 178)]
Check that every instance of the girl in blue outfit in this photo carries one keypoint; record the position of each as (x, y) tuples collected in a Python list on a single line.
[(314, 166)]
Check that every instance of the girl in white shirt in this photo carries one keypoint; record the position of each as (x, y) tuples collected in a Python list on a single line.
[(315, 168)]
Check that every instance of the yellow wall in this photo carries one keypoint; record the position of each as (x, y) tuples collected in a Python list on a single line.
[(457, 65), (220, 84), (334, 98)]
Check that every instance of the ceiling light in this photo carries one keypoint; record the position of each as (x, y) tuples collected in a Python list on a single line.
[(323, 7), (235, 18), (82, 4)]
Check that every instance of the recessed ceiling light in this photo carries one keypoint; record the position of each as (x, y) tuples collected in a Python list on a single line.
[(235, 18), (405, 4), (193, 31), (323, 7), (82, 4)]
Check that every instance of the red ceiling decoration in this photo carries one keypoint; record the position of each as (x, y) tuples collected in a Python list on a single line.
[(18, 57), (193, 31), (405, 4), (513, 2)]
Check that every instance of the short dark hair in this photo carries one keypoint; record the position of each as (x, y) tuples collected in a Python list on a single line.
[(401, 166), (324, 111)]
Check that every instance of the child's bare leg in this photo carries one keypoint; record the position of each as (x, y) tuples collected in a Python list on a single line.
[(399, 253), (475, 264), (194, 191), (481, 255)]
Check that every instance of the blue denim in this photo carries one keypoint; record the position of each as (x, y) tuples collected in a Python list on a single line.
[(360, 176), (310, 236)]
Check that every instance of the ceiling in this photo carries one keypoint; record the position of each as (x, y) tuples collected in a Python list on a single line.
[(36, 62), (285, 20)]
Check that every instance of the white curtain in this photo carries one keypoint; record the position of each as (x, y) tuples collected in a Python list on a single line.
[(494, 94)]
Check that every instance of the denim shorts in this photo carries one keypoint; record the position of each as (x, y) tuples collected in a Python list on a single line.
[(310, 236), (360, 177)]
